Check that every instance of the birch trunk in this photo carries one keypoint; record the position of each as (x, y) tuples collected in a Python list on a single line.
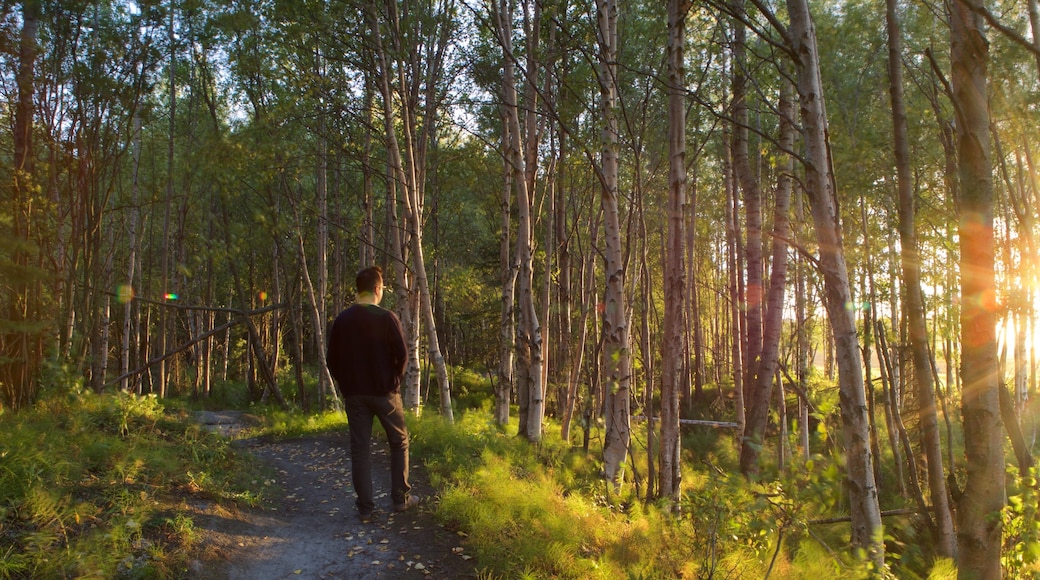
[(978, 509), (752, 196), (616, 341), (404, 175), (165, 258), (528, 341), (801, 355), (510, 271), (126, 294), (820, 187), (913, 297), (733, 272), (674, 381), (319, 294)]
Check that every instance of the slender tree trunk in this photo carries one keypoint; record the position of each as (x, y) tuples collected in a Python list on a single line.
[(316, 318), (368, 227), (801, 355), (673, 382), (733, 270), (1034, 25), (326, 383), (405, 176), (586, 297), (564, 346), (403, 285), (819, 179), (768, 364), (978, 508), (752, 197), (898, 429), (538, 388), (166, 254), (528, 342), (617, 344), (296, 317), (509, 273), (695, 344), (126, 291), (913, 297), (781, 406)]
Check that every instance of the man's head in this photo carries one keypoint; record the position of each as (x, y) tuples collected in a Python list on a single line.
[(369, 280)]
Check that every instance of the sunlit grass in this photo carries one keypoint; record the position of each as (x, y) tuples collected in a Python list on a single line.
[(280, 423), (94, 485)]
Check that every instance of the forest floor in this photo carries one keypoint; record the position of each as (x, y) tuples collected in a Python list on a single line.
[(311, 530)]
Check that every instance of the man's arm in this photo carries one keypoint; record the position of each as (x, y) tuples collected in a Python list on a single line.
[(398, 349)]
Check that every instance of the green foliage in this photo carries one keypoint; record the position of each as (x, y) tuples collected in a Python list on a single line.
[(1020, 554), (545, 511), (92, 486), (289, 424)]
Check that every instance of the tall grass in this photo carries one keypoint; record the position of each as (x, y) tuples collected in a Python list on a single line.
[(94, 486), (544, 511)]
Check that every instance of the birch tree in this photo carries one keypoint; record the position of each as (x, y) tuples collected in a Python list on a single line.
[(979, 506), (913, 296), (616, 371), (405, 167), (800, 40), (528, 335), (673, 379), (20, 343)]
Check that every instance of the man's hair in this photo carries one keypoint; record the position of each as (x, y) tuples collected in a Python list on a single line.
[(368, 279)]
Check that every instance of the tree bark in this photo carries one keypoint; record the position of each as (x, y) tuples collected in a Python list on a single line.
[(404, 177), (674, 381), (528, 337), (913, 297), (509, 272), (733, 299), (617, 344), (978, 508), (765, 368), (751, 194), (820, 187)]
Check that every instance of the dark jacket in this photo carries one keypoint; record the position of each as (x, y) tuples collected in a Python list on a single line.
[(366, 353)]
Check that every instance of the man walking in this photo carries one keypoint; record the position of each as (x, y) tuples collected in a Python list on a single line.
[(366, 355)]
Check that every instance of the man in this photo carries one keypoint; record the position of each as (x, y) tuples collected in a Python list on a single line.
[(366, 355)]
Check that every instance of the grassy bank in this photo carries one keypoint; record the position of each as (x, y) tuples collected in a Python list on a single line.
[(95, 486)]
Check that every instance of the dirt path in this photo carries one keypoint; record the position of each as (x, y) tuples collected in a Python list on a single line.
[(312, 530)]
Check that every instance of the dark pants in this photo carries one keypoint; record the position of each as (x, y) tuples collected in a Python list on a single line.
[(390, 412)]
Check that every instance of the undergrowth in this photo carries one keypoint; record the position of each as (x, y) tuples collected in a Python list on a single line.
[(544, 511), (95, 486)]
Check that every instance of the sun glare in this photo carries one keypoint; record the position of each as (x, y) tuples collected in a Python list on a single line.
[(1008, 334)]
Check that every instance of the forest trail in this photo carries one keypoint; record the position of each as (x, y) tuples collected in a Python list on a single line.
[(311, 529)]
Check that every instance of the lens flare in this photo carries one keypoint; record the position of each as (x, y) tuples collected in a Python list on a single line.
[(124, 293)]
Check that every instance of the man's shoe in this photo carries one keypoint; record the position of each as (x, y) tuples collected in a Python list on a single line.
[(412, 501), (365, 517)]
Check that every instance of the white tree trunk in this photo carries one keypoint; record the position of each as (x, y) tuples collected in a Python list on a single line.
[(404, 175), (616, 344), (979, 507), (507, 327), (819, 181), (674, 380)]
